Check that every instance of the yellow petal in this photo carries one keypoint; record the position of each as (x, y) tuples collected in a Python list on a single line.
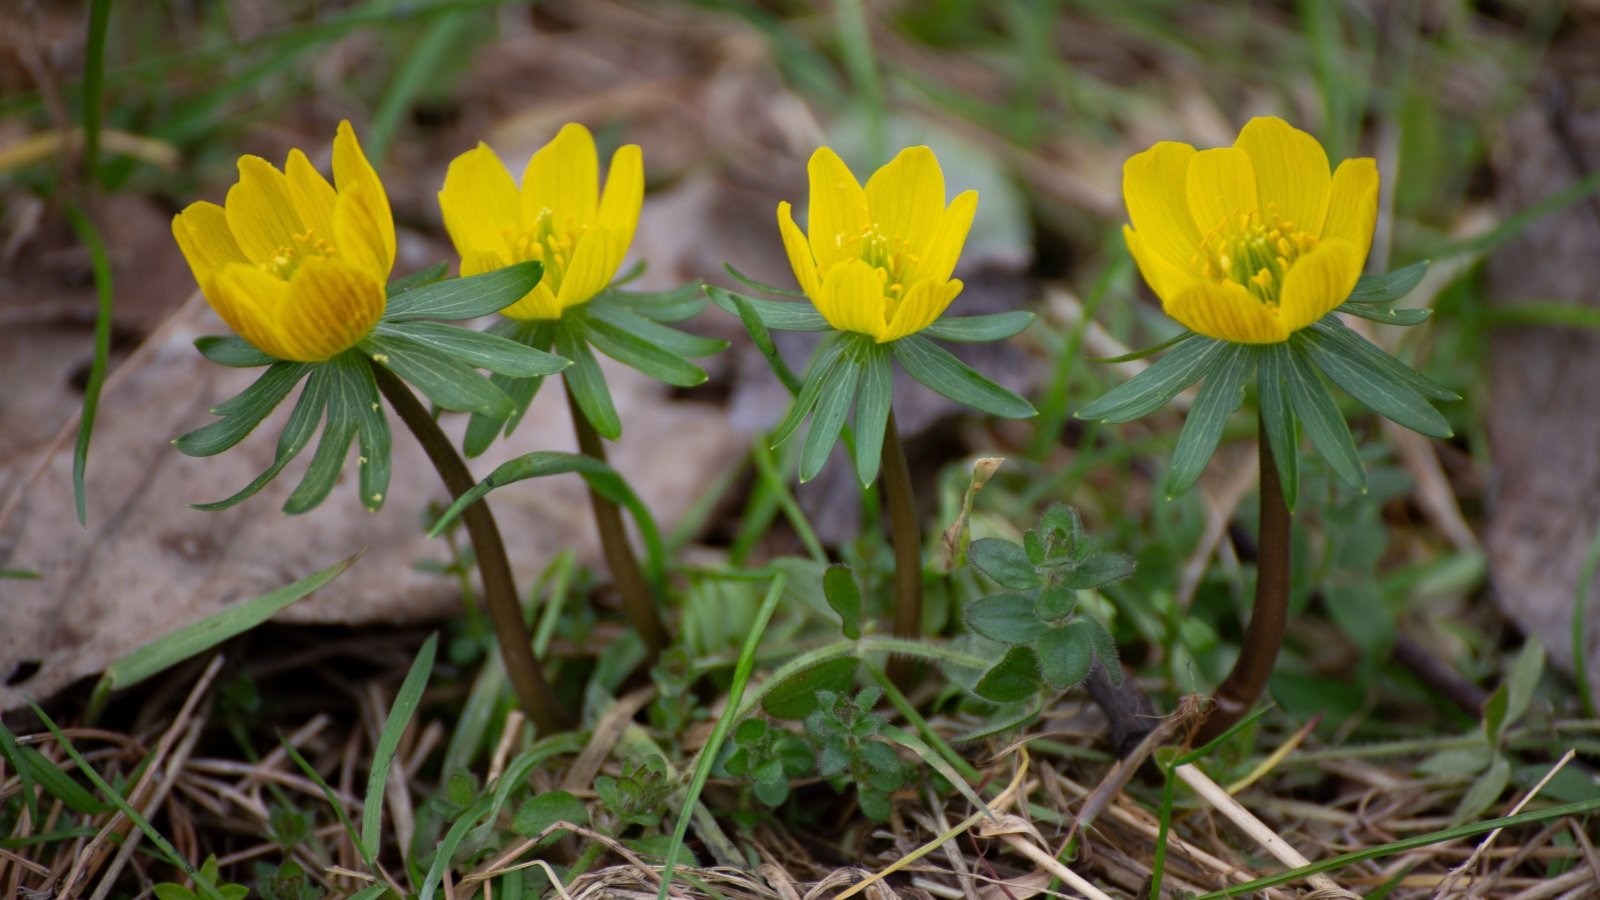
[(311, 194), (1291, 172), (852, 299), (480, 202), (838, 208), (1155, 188), (906, 197), (595, 261), (248, 299), (202, 234), (1220, 186), (563, 177), (1226, 311), (331, 306), (937, 258), (540, 303), (1318, 282), (1353, 205), (260, 214), (368, 219), (924, 303), (800, 259), (1166, 278), (624, 193)]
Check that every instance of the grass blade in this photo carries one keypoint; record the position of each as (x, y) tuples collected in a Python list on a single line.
[(102, 333), (405, 706)]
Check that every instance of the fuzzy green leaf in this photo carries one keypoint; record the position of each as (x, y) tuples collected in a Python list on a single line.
[(587, 384), (1155, 387), (232, 351), (844, 596), (1324, 425), (1007, 618), (1004, 562), (241, 414), (979, 329), (1202, 428), (466, 298), (1383, 390), (1065, 654), (942, 373), (778, 315), (481, 349), (1098, 570), (796, 697), (1014, 677), (874, 401)]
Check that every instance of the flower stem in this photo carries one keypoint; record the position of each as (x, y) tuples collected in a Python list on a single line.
[(637, 603), (1264, 636), (907, 537), (499, 587)]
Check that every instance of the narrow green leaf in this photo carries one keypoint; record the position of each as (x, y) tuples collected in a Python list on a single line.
[(796, 696), (833, 406), (417, 279), (296, 434), (844, 596), (1390, 286), (482, 430), (874, 401), (1277, 416), (466, 298), (191, 640), (232, 351), (100, 265), (1368, 354), (1015, 677), (678, 343), (447, 381), (636, 352), (588, 384), (478, 348), (763, 341), (33, 767), (1402, 317), (1380, 390), (778, 315), (244, 411), (1202, 428), (761, 286), (1007, 618), (675, 305), (829, 356), (405, 706), (1155, 387), (345, 411), (979, 329), (374, 463), (942, 373), (1324, 425), (1132, 355)]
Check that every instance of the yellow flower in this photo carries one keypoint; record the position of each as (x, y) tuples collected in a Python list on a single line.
[(559, 217), (1253, 242), (878, 260), (294, 266)]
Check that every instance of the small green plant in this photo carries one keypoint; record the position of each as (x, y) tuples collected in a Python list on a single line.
[(171, 890), (770, 757), (1052, 645), (846, 730), (639, 795)]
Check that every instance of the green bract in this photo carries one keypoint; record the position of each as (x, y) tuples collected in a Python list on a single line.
[(1292, 387), (853, 370), (341, 399), (624, 325)]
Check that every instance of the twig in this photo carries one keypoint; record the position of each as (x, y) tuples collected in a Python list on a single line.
[(1012, 830)]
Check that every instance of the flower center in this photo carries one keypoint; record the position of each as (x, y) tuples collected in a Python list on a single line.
[(545, 243), (1253, 253), (889, 255), (286, 259)]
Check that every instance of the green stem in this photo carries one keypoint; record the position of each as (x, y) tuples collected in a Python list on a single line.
[(499, 587), (907, 536), (636, 600), (1264, 636)]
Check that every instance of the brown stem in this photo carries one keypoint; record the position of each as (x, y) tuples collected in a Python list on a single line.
[(499, 587), (907, 537), (637, 603), (1264, 635)]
